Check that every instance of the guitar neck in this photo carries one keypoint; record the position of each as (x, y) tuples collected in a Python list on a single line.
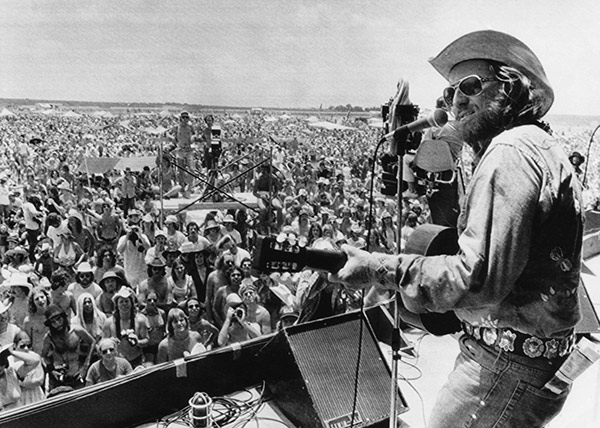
[(330, 261)]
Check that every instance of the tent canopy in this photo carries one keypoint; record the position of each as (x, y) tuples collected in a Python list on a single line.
[(6, 113), (96, 165)]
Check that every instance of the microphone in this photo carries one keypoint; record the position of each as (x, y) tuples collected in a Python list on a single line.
[(438, 118)]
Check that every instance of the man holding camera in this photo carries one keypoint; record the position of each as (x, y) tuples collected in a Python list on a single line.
[(236, 327), (133, 246)]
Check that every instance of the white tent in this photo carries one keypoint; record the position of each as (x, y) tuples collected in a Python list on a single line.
[(72, 114), (50, 112), (285, 116), (329, 125), (375, 122), (270, 119), (6, 113)]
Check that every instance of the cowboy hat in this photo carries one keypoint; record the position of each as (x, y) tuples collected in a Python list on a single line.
[(229, 219), (52, 312), (110, 274), (577, 155), (124, 292), (500, 47), (84, 267)]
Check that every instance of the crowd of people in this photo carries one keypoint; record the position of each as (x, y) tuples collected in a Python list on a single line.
[(98, 281)]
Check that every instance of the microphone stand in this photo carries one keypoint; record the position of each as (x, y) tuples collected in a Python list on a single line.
[(397, 148)]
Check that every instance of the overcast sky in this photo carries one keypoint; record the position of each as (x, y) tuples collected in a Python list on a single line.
[(288, 53)]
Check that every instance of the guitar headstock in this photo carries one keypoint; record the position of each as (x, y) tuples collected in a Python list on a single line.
[(284, 253)]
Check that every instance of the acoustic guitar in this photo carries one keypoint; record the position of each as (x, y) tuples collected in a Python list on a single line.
[(286, 253)]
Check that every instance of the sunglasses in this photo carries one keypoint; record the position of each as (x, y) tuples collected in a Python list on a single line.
[(152, 300), (107, 350), (25, 345), (470, 86), (193, 306)]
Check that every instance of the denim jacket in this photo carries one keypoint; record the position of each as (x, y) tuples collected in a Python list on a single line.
[(520, 238)]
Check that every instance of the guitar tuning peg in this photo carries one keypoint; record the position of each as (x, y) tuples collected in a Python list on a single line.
[(281, 238), (302, 241)]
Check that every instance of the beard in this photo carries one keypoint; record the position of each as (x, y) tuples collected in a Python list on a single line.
[(478, 129)]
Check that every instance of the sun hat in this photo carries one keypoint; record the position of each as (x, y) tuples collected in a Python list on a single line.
[(18, 279), (211, 224), (53, 311), (84, 267), (110, 274), (187, 247), (229, 219), (500, 47), (577, 155), (126, 293), (171, 219)]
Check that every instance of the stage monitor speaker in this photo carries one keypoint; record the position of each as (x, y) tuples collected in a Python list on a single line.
[(314, 379)]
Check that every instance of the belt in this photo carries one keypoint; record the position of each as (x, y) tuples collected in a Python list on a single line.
[(515, 342)]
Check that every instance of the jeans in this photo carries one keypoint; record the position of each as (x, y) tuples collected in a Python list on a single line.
[(492, 388)]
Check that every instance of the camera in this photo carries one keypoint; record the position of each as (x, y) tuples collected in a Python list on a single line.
[(133, 236), (239, 313), (130, 336)]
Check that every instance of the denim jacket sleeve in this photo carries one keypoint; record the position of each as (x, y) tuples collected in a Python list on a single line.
[(521, 194)]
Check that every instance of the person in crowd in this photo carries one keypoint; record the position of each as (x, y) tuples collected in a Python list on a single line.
[(34, 219), (68, 253), (106, 261), (174, 235), (18, 260), (81, 234), (230, 248), (195, 312), (110, 283), (180, 341), (59, 294), (128, 187), (180, 283), (20, 288), (183, 135), (255, 312), (62, 350), (230, 223), (108, 227), (236, 328), (133, 246), (577, 159), (199, 268), (215, 280), (34, 324), (89, 317), (29, 370), (514, 283), (158, 283), (171, 253), (159, 247), (212, 232), (10, 390), (109, 366), (84, 282), (157, 322), (233, 277), (200, 242), (8, 330), (128, 326)]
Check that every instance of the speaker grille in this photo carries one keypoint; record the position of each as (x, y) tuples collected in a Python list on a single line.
[(327, 359)]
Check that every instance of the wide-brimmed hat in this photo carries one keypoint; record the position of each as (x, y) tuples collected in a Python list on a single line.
[(229, 219), (171, 219), (85, 267), (53, 311), (158, 261), (577, 155), (110, 274), (17, 250), (211, 224), (160, 232), (126, 293), (187, 247), (18, 279), (500, 47)]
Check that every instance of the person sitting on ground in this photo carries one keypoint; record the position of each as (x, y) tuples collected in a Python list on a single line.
[(110, 366), (180, 341)]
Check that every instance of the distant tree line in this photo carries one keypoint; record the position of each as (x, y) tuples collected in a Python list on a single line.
[(350, 107)]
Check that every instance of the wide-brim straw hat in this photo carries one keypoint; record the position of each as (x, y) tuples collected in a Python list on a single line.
[(500, 47)]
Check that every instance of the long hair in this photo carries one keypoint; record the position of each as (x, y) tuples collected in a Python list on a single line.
[(34, 292), (98, 317), (174, 315), (518, 103)]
